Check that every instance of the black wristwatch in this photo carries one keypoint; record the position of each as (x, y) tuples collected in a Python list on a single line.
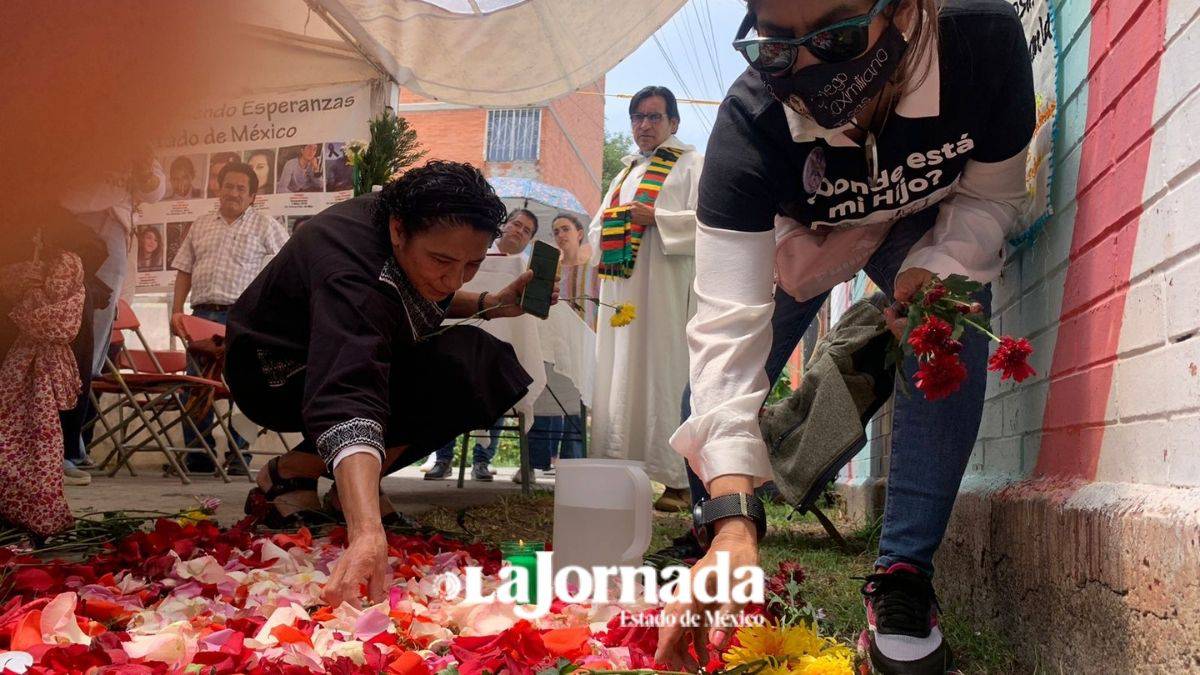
[(708, 512)]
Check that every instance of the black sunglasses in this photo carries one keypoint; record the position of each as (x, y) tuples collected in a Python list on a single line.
[(842, 41)]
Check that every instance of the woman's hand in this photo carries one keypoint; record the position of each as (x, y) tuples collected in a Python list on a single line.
[(365, 561), (507, 302), (908, 282), (738, 538)]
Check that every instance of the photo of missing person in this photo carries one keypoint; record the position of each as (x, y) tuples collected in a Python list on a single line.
[(150, 248), (300, 169), (339, 175), (295, 221), (263, 163), (176, 232), (185, 177), (216, 162)]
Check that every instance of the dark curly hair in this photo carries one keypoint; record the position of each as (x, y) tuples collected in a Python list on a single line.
[(440, 192)]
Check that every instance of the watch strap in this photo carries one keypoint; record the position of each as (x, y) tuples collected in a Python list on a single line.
[(734, 505)]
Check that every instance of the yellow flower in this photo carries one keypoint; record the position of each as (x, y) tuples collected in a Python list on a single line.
[(794, 650), (839, 662), (624, 315), (192, 516)]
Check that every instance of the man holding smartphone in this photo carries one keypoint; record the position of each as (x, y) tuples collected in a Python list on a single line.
[(643, 240), (515, 234)]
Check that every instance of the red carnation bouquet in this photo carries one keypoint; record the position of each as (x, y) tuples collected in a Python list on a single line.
[(937, 317)]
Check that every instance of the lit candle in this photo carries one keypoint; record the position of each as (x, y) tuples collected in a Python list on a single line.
[(524, 555)]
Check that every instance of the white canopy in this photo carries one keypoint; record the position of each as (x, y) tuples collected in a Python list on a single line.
[(473, 52)]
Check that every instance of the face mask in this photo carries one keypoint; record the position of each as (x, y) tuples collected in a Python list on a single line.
[(833, 93)]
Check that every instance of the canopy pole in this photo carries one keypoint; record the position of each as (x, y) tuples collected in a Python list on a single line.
[(337, 28), (575, 148)]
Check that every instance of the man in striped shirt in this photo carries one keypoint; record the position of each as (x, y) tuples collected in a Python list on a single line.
[(222, 253)]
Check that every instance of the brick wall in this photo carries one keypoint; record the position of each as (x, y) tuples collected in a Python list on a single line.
[(460, 135), (1077, 532), (1107, 294)]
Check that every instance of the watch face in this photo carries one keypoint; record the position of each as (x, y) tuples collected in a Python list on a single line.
[(698, 513)]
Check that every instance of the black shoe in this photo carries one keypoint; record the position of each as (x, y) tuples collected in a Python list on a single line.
[(902, 623), (439, 471), (479, 471), (236, 468), (685, 548), (200, 464)]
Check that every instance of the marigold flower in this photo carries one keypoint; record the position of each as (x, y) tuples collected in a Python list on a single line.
[(624, 315)]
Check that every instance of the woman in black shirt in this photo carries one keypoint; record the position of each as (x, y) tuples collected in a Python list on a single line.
[(881, 135), (339, 338)]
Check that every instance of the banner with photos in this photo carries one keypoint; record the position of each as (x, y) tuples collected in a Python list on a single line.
[(1037, 17), (296, 143)]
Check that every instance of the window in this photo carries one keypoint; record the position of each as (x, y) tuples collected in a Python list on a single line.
[(513, 135)]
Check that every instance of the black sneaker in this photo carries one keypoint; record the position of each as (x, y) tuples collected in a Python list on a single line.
[(902, 620), (439, 471), (479, 471)]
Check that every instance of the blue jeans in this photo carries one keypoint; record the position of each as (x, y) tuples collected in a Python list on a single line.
[(931, 440), (555, 436), (480, 455), (197, 462)]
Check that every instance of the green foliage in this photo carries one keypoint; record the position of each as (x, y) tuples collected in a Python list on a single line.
[(781, 390), (392, 148), (616, 146)]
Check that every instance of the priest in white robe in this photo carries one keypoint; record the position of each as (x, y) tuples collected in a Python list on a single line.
[(642, 368)]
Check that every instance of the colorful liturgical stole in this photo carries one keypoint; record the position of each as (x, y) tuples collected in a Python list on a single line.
[(620, 237)]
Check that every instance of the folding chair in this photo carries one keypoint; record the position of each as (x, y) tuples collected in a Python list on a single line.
[(194, 330), (522, 436), (146, 389)]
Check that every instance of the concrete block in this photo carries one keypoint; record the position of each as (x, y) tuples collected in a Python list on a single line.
[(1174, 148), (1145, 320), (1160, 236), (1177, 72), (1002, 457), (1182, 286), (1136, 452), (1159, 382), (1183, 464), (1083, 578)]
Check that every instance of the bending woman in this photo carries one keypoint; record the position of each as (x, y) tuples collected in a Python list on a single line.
[(338, 338), (891, 136)]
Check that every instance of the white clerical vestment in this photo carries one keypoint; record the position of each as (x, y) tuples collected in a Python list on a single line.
[(642, 368)]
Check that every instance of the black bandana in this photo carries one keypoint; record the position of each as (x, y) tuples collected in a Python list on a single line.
[(833, 93)]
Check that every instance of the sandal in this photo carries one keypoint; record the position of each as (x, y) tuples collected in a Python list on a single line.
[(391, 521), (260, 504)]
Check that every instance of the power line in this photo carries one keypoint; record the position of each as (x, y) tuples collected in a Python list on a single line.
[(709, 43), (696, 69), (675, 71)]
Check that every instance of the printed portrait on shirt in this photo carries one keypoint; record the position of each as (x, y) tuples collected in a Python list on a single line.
[(151, 248), (339, 175), (216, 162), (185, 176), (301, 169), (263, 163), (176, 232)]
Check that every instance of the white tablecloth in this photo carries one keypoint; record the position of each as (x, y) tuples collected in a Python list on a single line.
[(521, 332), (569, 344)]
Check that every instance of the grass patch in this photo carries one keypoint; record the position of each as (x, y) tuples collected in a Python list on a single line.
[(830, 586)]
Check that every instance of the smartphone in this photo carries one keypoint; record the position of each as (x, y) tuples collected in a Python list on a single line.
[(544, 263)]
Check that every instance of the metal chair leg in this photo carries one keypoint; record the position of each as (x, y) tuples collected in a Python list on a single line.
[(462, 462), (526, 470)]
